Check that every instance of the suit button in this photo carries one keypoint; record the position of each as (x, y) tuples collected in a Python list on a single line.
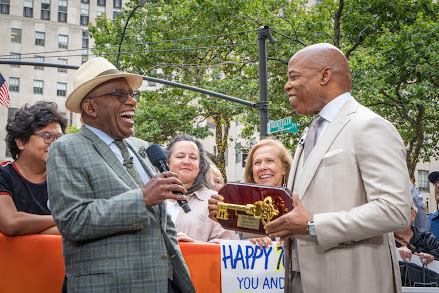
[(164, 257)]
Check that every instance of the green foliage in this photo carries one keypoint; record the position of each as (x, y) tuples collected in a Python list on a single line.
[(212, 44), (72, 129)]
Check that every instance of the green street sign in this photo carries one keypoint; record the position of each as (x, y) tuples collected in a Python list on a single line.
[(285, 125)]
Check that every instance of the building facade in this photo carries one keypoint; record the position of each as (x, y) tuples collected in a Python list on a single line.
[(49, 31)]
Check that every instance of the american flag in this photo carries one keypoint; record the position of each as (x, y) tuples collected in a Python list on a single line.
[(4, 92)]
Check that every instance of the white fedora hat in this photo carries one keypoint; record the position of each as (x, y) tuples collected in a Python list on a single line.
[(91, 74)]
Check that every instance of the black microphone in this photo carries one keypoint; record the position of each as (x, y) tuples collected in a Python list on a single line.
[(158, 158)]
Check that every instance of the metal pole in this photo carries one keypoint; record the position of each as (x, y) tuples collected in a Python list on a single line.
[(263, 82), (140, 4), (162, 81)]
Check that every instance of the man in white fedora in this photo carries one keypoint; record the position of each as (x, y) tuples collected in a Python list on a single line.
[(106, 199)]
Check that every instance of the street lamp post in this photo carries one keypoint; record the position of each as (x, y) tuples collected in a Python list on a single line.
[(140, 4), (263, 106)]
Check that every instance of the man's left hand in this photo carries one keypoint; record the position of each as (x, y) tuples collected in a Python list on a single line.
[(293, 223)]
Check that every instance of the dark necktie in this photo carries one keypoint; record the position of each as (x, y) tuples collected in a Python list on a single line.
[(128, 162), (310, 140)]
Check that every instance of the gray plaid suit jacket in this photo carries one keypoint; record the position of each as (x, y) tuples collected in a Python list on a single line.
[(111, 241)]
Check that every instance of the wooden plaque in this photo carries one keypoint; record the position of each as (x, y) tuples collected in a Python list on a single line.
[(248, 207)]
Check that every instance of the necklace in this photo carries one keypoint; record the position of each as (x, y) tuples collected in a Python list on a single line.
[(408, 244)]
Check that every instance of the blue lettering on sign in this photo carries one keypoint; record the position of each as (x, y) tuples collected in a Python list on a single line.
[(248, 254), (247, 282), (239, 257), (273, 283), (267, 253), (225, 257), (256, 256), (251, 253)]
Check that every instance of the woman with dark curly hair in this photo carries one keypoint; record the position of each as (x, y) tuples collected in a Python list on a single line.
[(24, 205), (187, 158)]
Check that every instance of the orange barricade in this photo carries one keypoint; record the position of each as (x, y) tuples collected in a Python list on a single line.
[(33, 263)]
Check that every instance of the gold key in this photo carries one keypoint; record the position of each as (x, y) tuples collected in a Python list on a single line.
[(263, 210)]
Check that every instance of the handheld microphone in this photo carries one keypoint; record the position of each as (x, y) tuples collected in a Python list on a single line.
[(158, 158)]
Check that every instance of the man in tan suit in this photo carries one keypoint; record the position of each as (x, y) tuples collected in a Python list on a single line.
[(350, 192)]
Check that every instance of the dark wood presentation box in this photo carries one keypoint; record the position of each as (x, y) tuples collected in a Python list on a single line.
[(248, 207)]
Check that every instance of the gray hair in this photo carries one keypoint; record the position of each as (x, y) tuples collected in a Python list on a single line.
[(199, 181)]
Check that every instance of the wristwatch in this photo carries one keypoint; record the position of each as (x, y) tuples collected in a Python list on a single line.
[(311, 228)]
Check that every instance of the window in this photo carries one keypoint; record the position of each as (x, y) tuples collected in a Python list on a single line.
[(16, 35), (99, 11), (84, 43), (14, 84), (116, 13), (4, 6), (62, 10), (117, 3), (38, 87), (45, 9), (237, 121), (39, 59), (85, 9), (238, 156), (40, 38), (62, 61), (28, 8), (101, 3), (423, 183), (84, 57), (63, 41), (61, 89), (15, 57)]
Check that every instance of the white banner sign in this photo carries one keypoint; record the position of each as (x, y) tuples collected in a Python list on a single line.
[(245, 268)]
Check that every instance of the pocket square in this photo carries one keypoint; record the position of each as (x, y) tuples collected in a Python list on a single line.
[(332, 153)]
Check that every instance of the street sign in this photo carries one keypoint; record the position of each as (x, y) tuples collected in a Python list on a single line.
[(285, 125)]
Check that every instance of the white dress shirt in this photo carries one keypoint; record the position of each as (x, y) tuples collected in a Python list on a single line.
[(116, 150), (329, 112)]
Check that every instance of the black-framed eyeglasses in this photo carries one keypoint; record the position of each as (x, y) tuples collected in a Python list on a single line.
[(49, 137), (121, 95)]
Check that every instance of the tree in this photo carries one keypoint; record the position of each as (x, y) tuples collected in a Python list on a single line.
[(226, 62), (211, 44)]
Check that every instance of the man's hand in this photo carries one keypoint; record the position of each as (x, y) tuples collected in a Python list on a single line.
[(262, 241), (160, 188), (293, 223), (405, 253), (213, 205), (425, 257), (184, 238)]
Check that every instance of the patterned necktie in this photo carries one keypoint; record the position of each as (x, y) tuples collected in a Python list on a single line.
[(128, 162), (132, 170), (310, 140)]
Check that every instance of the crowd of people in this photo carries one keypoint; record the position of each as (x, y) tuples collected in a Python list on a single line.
[(120, 219)]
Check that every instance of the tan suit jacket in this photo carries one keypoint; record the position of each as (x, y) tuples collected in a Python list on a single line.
[(356, 185)]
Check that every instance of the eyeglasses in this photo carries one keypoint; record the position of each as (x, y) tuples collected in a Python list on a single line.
[(49, 137), (121, 95)]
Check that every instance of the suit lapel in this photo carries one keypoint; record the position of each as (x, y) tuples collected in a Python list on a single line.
[(295, 165), (108, 155), (146, 164), (323, 144)]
